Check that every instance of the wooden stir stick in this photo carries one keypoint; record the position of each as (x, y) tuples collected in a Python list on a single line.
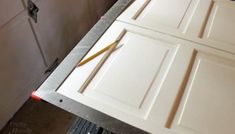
[(97, 54)]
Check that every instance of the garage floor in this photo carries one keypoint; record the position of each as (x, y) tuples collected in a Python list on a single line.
[(39, 118)]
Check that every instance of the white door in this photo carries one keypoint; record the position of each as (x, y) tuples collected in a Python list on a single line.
[(181, 16), (129, 82), (177, 16), (158, 83), (207, 21)]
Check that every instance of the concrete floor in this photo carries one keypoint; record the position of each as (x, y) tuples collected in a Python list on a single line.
[(39, 118)]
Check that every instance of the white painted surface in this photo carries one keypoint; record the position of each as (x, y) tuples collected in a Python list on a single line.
[(162, 84), (127, 85), (179, 16), (159, 83), (208, 103), (132, 70), (221, 24), (210, 22)]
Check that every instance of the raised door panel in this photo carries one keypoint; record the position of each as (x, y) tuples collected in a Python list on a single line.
[(128, 83), (9, 9), (158, 83), (207, 104), (177, 16), (129, 78), (220, 27), (61, 24)]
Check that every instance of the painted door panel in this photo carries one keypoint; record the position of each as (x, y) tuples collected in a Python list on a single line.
[(128, 84), (179, 16), (220, 26), (179, 86), (210, 22), (207, 104)]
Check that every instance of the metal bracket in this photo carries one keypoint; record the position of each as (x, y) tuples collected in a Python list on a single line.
[(32, 10)]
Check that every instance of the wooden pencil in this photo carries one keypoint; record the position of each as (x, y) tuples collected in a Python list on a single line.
[(97, 54)]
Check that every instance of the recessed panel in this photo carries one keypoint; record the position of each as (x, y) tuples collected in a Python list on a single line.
[(126, 79), (220, 27), (167, 12), (169, 16), (129, 75), (208, 103), (130, 83)]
